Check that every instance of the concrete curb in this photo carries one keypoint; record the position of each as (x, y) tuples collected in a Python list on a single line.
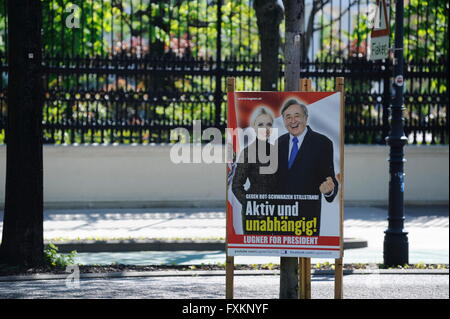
[(162, 245), (202, 273)]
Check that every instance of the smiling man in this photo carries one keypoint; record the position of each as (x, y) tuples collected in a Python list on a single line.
[(305, 162)]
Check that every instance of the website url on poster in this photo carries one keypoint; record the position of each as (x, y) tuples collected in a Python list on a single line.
[(328, 253)]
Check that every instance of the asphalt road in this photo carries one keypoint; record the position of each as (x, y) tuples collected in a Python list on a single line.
[(356, 286)]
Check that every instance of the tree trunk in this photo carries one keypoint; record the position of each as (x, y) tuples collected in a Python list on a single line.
[(295, 29), (22, 241), (269, 14), (309, 32), (294, 17), (317, 5)]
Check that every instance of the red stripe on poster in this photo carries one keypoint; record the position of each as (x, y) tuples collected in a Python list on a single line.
[(288, 240), (282, 248), (232, 121)]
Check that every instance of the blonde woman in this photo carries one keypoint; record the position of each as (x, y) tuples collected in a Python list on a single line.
[(249, 163)]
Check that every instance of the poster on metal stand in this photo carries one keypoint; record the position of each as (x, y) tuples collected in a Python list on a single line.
[(284, 188)]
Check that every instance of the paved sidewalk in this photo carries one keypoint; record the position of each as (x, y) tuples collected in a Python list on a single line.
[(428, 228), (428, 237), (356, 286), (210, 223)]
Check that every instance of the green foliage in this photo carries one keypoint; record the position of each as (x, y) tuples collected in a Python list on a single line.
[(188, 29), (426, 40), (420, 265), (55, 259), (426, 29), (163, 29), (269, 266), (3, 27), (426, 36), (94, 19), (142, 26)]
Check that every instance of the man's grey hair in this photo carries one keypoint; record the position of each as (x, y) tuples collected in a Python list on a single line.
[(294, 102)]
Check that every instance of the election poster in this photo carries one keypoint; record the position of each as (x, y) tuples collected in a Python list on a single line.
[(284, 174)]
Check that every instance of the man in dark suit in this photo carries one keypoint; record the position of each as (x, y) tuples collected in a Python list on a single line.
[(305, 162)]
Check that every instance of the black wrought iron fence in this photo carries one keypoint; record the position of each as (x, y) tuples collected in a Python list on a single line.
[(129, 71)]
